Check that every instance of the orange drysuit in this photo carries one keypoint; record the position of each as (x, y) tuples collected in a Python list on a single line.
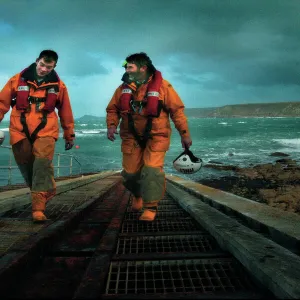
[(34, 157), (143, 168)]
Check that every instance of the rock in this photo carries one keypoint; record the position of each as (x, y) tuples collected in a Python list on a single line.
[(279, 154), (274, 184), (286, 161), (225, 168)]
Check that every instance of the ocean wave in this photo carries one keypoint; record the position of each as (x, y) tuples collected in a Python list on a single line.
[(228, 154), (295, 143), (90, 132), (290, 150), (4, 129)]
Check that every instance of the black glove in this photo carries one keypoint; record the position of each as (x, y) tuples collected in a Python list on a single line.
[(69, 145)]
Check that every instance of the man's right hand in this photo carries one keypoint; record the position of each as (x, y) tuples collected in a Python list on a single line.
[(186, 142), (111, 131)]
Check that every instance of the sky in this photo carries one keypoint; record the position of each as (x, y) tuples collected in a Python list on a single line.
[(213, 52)]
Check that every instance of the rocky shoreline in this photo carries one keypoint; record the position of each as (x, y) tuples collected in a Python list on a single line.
[(277, 184)]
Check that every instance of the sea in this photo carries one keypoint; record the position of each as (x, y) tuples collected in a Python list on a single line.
[(231, 141)]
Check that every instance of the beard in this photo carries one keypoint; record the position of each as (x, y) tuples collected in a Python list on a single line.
[(134, 76)]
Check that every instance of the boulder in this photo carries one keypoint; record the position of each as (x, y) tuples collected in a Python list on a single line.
[(277, 185), (223, 167), (279, 154)]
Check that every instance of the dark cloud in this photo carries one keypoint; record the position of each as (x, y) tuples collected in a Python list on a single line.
[(82, 64), (218, 85), (211, 47), (187, 79)]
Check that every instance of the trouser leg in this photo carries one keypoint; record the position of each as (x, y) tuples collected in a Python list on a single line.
[(153, 182), (143, 175), (43, 172), (43, 183), (24, 158), (131, 173)]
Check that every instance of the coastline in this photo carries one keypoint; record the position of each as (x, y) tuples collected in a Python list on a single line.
[(275, 184)]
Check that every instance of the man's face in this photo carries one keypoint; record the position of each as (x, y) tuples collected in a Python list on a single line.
[(135, 73), (44, 68)]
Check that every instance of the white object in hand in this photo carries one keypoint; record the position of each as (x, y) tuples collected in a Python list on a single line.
[(2, 137)]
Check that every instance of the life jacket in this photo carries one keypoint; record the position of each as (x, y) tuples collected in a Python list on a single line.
[(152, 107), (151, 100), (26, 80), (22, 100)]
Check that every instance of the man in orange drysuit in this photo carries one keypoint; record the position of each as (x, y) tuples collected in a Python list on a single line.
[(33, 95), (144, 103)]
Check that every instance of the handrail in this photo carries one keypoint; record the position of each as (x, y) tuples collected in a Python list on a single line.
[(58, 166), (71, 162)]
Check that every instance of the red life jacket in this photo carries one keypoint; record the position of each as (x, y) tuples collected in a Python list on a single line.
[(152, 99), (26, 81)]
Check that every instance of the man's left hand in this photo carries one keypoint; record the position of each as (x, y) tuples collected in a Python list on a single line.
[(186, 142), (69, 145)]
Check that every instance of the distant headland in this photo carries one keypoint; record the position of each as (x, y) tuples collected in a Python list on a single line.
[(276, 109)]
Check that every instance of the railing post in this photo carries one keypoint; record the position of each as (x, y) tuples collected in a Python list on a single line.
[(58, 164), (71, 165), (10, 167)]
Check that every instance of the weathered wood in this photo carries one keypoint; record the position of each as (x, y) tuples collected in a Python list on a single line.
[(17, 198), (274, 266), (283, 226)]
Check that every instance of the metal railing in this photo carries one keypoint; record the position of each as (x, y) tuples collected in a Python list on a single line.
[(69, 166), (10, 166)]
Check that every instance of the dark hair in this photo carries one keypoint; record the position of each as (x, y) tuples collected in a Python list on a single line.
[(141, 59), (49, 55)]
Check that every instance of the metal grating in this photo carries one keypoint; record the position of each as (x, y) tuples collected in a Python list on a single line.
[(174, 276), (160, 215), (168, 207), (167, 197), (159, 226), (164, 244), (56, 211), (53, 210), (23, 213), (162, 207), (27, 226), (162, 202), (167, 202), (8, 240)]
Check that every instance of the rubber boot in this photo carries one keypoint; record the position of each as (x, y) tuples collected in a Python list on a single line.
[(38, 216), (149, 213), (38, 207), (137, 203)]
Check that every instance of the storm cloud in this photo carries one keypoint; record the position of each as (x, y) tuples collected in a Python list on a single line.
[(213, 52)]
